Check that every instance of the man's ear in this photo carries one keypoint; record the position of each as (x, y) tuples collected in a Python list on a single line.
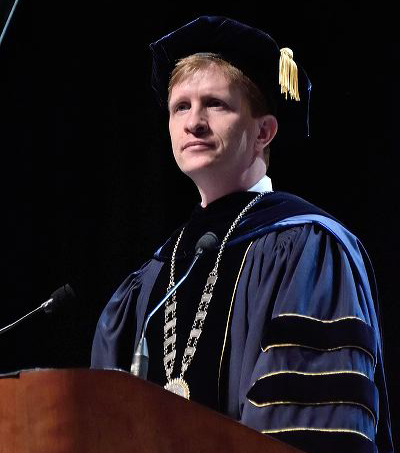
[(267, 129)]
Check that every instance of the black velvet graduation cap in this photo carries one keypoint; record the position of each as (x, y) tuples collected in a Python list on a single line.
[(249, 49)]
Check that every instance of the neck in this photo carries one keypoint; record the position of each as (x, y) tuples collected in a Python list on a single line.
[(211, 188)]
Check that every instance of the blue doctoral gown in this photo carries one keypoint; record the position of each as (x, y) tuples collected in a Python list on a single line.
[(301, 349)]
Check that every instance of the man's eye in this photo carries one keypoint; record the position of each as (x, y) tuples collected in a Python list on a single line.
[(181, 107), (215, 103)]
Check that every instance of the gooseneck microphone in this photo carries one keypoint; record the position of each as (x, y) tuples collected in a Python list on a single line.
[(10, 15), (61, 296), (140, 362)]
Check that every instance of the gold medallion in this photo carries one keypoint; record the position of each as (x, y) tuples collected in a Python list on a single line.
[(179, 387)]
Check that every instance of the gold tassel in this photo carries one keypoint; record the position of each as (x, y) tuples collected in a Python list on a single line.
[(288, 78)]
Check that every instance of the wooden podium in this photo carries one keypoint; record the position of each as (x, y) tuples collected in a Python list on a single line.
[(110, 411)]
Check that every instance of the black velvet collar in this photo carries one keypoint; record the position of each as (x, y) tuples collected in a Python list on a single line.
[(219, 215)]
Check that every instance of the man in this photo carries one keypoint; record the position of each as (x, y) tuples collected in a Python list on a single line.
[(278, 326)]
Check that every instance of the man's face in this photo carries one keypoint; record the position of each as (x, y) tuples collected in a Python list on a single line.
[(211, 127)]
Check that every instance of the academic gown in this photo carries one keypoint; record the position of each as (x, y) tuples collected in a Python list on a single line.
[(291, 345)]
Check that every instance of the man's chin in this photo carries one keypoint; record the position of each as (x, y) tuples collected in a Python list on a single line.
[(201, 167)]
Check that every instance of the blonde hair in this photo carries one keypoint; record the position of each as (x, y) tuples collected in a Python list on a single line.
[(188, 66)]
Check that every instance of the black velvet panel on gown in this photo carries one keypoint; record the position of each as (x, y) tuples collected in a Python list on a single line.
[(202, 374)]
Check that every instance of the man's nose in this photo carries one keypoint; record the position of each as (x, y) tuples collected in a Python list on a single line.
[(197, 122)]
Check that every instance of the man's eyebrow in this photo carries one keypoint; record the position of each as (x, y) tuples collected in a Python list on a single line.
[(211, 94), (174, 102)]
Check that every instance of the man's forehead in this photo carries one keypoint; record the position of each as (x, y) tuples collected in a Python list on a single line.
[(207, 80)]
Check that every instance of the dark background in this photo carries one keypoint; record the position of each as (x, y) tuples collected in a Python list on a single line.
[(88, 184)]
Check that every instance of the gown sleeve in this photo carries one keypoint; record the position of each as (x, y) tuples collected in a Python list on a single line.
[(121, 318), (312, 344)]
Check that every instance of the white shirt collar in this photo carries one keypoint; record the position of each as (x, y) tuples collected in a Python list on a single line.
[(263, 185)]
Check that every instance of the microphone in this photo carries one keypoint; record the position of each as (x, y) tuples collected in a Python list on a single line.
[(140, 362), (60, 297), (207, 242)]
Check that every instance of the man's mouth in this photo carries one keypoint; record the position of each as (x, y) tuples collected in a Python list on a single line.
[(197, 144)]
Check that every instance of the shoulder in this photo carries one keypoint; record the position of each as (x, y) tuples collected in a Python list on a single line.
[(311, 228), (130, 288), (291, 238), (279, 211)]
